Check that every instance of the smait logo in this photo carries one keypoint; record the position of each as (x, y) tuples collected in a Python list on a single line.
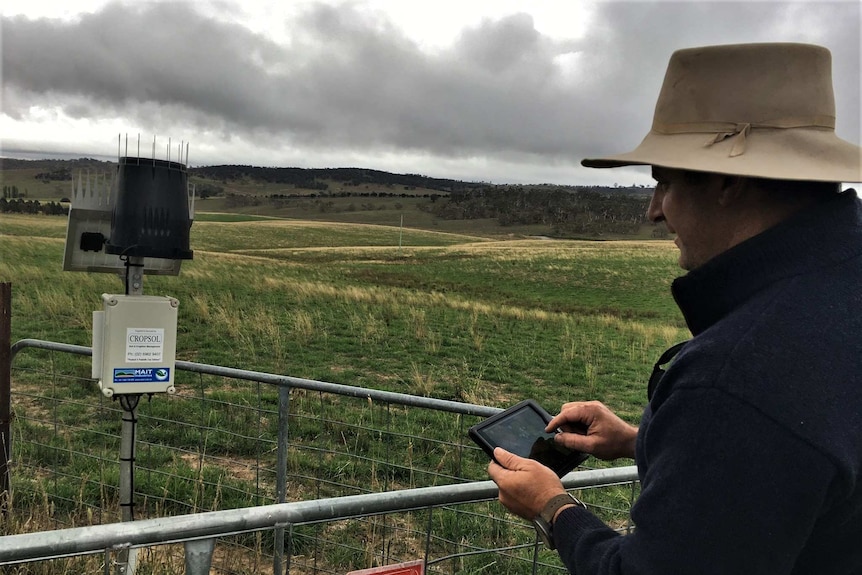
[(142, 375)]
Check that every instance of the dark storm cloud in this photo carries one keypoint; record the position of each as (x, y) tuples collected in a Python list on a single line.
[(126, 55), (640, 37), (348, 79)]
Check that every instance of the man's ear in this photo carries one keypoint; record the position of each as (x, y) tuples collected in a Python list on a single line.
[(732, 188)]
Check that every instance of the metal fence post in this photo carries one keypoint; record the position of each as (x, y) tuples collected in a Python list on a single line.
[(281, 472), (199, 556), (5, 391)]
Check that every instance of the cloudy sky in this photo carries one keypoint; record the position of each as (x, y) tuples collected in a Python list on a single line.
[(497, 91)]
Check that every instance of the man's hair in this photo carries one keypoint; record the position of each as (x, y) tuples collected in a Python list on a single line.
[(794, 188), (779, 191)]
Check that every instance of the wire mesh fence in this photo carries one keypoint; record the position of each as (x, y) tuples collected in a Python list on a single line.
[(231, 439)]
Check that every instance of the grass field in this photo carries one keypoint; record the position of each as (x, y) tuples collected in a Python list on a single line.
[(451, 316), (581, 319)]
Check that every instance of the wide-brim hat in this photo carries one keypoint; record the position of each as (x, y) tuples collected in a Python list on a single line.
[(759, 110)]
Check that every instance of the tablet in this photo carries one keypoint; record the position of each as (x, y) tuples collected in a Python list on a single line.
[(521, 430)]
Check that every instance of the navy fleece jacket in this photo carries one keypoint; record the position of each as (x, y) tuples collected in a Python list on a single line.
[(750, 450)]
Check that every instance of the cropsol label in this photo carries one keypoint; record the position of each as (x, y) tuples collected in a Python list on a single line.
[(144, 344)]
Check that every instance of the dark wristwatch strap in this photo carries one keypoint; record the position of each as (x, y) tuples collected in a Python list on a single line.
[(555, 503)]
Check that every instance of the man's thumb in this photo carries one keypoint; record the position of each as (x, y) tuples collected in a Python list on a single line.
[(503, 457)]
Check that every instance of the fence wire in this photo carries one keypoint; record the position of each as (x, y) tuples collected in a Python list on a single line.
[(231, 439)]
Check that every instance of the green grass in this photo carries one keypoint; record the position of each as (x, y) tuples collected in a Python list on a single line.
[(451, 316), (466, 319), (464, 315), (275, 234), (226, 217)]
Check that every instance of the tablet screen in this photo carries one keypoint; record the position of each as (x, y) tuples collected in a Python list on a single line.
[(522, 433), (521, 430)]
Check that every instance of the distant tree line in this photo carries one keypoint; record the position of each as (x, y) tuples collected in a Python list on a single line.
[(60, 174), (49, 166), (568, 211), (22, 206), (234, 200), (309, 178), (345, 194), (207, 190)]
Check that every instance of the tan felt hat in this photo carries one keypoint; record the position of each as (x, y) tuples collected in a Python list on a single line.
[(760, 110)]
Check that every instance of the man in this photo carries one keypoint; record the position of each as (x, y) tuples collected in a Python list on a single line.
[(749, 451)]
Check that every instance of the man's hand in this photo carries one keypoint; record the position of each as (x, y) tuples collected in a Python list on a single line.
[(592, 428), (525, 485)]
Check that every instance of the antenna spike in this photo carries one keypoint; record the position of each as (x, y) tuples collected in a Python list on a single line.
[(192, 202)]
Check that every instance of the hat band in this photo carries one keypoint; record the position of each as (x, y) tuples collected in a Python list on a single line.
[(739, 131)]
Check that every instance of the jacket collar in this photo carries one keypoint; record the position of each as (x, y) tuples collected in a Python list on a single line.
[(814, 238)]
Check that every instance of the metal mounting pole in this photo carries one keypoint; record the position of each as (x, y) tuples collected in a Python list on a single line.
[(127, 558)]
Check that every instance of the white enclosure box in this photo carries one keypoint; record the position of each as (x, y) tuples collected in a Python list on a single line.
[(134, 344)]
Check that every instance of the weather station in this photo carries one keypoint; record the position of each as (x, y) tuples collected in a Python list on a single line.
[(133, 222), (137, 223)]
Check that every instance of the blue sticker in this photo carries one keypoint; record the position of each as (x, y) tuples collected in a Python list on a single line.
[(142, 375)]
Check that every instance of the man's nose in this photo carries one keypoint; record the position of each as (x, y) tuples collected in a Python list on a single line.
[(654, 211)]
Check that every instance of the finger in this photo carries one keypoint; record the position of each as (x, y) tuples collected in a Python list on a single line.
[(576, 441), (505, 459), (570, 405), (494, 471), (558, 420), (573, 415), (512, 461)]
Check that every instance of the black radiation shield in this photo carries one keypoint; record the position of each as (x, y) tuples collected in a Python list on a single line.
[(521, 430)]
